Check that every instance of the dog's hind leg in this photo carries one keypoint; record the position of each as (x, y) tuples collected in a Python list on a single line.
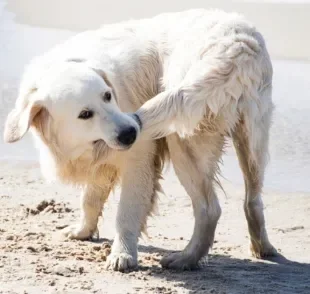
[(195, 163), (251, 143), (92, 201), (231, 79)]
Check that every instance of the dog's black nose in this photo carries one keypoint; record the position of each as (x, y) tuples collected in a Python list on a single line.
[(127, 136)]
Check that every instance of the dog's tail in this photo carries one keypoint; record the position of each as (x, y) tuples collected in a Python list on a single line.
[(216, 90), (230, 79)]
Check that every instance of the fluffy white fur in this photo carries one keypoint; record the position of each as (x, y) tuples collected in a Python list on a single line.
[(192, 78)]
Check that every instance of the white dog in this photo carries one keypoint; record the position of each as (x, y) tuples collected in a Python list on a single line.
[(187, 79)]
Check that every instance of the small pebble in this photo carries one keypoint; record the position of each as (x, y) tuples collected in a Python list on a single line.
[(32, 249)]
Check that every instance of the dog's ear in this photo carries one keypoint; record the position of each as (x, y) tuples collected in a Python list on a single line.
[(93, 66), (104, 76), (20, 119)]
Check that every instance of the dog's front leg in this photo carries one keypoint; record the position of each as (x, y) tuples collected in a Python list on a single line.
[(92, 200), (137, 198)]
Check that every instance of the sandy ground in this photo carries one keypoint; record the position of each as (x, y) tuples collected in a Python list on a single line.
[(34, 258)]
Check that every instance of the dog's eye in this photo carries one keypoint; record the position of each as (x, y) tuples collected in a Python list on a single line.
[(107, 97), (86, 114)]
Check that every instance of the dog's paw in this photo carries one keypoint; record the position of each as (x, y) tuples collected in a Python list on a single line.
[(121, 262), (79, 232), (262, 251), (179, 261)]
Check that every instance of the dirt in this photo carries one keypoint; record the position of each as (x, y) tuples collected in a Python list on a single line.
[(47, 206), (36, 258)]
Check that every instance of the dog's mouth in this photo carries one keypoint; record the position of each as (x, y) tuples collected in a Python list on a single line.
[(98, 141), (101, 144), (100, 150), (126, 136)]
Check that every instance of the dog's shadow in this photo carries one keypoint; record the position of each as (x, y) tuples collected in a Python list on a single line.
[(226, 274)]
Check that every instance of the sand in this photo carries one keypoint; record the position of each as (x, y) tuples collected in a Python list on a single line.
[(35, 258)]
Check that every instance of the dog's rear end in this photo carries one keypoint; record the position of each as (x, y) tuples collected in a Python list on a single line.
[(226, 90)]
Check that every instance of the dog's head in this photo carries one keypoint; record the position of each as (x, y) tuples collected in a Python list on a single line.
[(73, 108)]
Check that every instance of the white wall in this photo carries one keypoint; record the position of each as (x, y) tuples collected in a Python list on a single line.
[(285, 25)]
